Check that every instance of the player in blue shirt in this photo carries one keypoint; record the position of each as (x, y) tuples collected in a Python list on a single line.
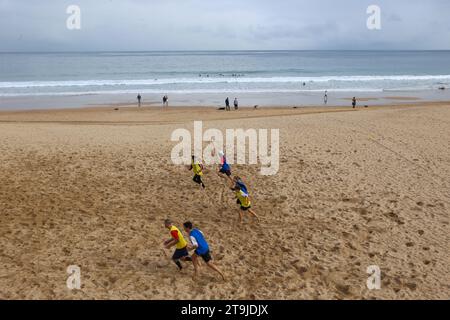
[(201, 249), (238, 183), (225, 169)]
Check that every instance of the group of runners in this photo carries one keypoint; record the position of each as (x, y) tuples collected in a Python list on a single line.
[(198, 243)]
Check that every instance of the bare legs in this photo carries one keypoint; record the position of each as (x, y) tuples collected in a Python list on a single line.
[(184, 259), (224, 176), (210, 265), (250, 211)]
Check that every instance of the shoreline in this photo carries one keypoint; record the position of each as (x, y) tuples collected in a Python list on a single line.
[(127, 114), (301, 99)]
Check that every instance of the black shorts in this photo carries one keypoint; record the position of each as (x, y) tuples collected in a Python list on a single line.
[(180, 253), (206, 257), (242, 207), (227, 172), (197, 179)]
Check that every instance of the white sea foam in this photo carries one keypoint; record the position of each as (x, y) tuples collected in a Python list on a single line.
[(187, 91), (219, 80)]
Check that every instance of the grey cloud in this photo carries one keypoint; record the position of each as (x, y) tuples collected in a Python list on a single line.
[(222, 24)]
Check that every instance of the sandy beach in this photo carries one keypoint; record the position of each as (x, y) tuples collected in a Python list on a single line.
[(91, 187)]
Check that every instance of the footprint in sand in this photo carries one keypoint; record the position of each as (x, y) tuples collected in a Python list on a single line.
[(344, 289), (410, 244)]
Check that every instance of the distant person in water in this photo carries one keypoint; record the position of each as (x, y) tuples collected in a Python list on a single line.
[(139, 98), (236, 104), (325, 97), (227, 104), (354, 102)]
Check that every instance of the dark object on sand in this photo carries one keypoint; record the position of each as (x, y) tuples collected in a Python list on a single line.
[(221, 109), (366, 106), (116, 109), (256, 107)]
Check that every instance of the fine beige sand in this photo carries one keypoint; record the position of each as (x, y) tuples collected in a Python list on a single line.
[(91, 187)]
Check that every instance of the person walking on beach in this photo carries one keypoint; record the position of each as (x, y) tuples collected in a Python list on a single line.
[(354, 102), (139, 98), (177, 240), (227, 104), (325, 97), (201, 249), (165, 101), (236, 104), (243, 199), (198, 172)]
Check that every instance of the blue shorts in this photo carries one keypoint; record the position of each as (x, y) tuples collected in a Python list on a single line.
[(227, 172), (206, 256)]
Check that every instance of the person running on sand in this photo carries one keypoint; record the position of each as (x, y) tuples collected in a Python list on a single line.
[(225, 169), (243, 200), (177, 240), (201, 249), (198, 172)]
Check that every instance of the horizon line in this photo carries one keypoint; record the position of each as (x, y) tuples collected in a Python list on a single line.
[(232, 50)]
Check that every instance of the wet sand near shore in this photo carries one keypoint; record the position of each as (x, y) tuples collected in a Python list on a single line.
[(91, 187), (120, 114)]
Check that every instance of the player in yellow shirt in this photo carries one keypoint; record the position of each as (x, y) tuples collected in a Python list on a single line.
[(177, 240), (243, 199), (198, 171)]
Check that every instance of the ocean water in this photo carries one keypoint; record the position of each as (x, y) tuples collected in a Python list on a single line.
[(220, 73)]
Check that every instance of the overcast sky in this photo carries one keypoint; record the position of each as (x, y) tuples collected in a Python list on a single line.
[(128, 25)]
